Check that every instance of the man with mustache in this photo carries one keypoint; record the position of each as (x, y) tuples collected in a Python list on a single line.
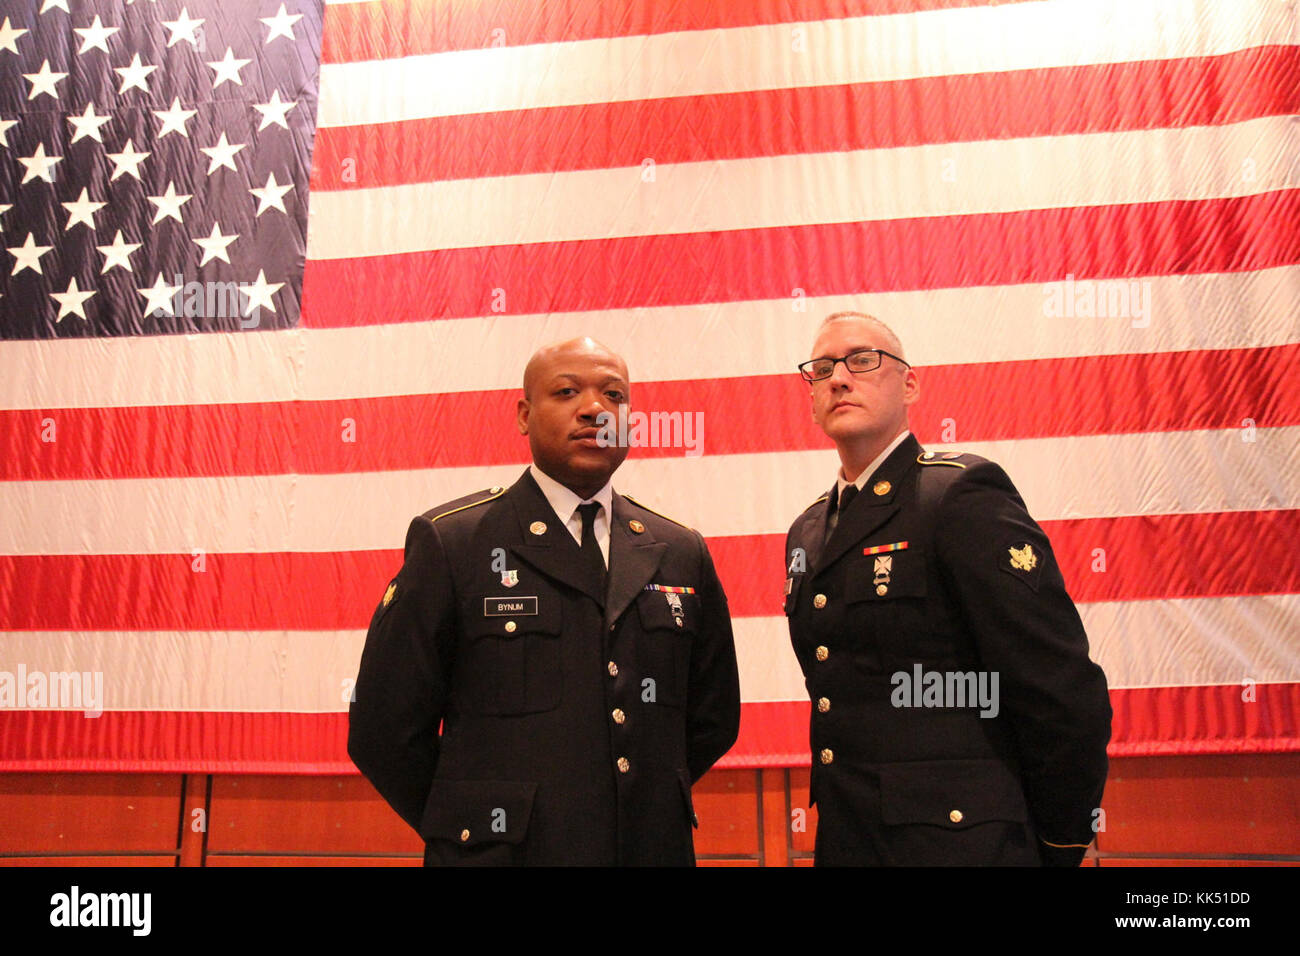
[(573, 646), (956, 718)]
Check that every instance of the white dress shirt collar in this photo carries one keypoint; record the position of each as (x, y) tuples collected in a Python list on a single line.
[(565, 505), (841, 483)]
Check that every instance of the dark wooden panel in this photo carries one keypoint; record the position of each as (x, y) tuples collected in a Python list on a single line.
[(81, 812), (237, 860), (80, 861), (295, 814), (776, 818), (726, 801), (1215, 805), (194, 819)]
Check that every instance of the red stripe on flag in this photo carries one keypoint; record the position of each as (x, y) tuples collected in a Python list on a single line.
[(942, 109), (1146, 557), (397, 28), (1148, 721), (937, 252), (1201, 390)]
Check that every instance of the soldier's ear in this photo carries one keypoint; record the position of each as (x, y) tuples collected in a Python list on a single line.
[(911, 387), (521, 415)]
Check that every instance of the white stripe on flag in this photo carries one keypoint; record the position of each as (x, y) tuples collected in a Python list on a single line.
[(1074, 477), (983, 39), (727, 339), (941, 179)]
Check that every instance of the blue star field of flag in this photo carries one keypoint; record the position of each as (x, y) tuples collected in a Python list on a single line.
[(154, 164)]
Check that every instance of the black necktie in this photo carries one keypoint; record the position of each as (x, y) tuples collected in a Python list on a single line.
[(837, 513), (591, 555)]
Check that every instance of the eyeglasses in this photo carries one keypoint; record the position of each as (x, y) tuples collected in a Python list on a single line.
[(867, 360)]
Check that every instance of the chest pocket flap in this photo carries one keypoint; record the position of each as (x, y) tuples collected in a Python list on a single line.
[(886, 577), (510, 662)]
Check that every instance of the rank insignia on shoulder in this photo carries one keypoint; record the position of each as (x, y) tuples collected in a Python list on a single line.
[(390, 594), (1021, 561)]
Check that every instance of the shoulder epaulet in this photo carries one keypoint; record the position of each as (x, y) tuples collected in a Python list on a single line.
[(496, 491), (653, 512), (818, 501), (947, 458)]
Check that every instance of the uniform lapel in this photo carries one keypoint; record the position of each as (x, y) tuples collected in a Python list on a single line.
[(633, 560), (814, 534), (553, 552), (873, 506)]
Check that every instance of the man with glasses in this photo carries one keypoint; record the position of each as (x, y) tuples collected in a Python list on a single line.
[(553, 666), (956, 716)]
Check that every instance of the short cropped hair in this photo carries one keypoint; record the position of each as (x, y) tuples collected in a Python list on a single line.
[(895, 344)]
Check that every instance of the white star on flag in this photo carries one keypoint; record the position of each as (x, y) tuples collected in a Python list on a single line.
[(259, 293), (127, 162), (94, 36), (280, 25), (174, 119), (39, 165), (134, 75), (71, 302), (55, 5), (82, 210), (8, 36), (43, 81), (223, 154), (227, 68), (118, 253), (169, 204), (28, 256), (270, 196), (88, 124), (4, 126), (274, 111), (214, 246), (159, 296), (182, 28)]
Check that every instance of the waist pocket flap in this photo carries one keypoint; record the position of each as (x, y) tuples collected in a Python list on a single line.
[(954, 794), (474, 812)]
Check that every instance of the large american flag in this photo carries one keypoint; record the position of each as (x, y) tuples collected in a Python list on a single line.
[(1082, 217)]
